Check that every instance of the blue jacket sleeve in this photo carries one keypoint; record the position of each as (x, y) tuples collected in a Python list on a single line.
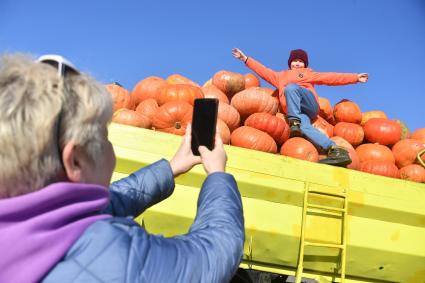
[(213, 248), (132, 195), (119, 250)]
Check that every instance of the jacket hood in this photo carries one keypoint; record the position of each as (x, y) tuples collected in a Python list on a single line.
[(37, 229)]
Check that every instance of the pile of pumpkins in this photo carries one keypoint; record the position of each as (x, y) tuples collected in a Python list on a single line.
[(251, 116)]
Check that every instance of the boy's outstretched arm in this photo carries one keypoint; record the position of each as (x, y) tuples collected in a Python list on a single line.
[(265, 73), (331, 78)]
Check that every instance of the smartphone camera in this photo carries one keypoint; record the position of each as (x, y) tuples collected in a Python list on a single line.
[(204, 122)]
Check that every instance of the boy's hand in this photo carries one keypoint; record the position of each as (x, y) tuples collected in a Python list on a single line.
[(215, 160), (184, 159), (238, 54), (363, 77)]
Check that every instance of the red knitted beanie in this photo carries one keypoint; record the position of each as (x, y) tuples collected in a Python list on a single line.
[(298, 54)]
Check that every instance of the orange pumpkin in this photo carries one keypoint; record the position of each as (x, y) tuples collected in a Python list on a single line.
[(179, 92), (147, 88), (147, 107), (254, 100), (276, 127), (120, 96), (347, 111), (355, 160), (132, 118), (173, 117), (379, 167), (382, 131), (413, 172), (211, 91), (351, 132), (325, 109), (370, 151), (207, 83), (229, 115), (179, 79), (224, 131), (405, 152), (323, 126), (300, 148), (252, 138), (251, 80), (229, 82), (419, 135), (372, 114)]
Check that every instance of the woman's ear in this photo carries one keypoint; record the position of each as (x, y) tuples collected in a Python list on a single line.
[(74, 162)]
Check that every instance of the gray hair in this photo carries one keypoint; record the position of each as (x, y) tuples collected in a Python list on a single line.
[(38, 110)]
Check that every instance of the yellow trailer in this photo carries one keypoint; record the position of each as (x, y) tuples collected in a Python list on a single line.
[(302, 219)]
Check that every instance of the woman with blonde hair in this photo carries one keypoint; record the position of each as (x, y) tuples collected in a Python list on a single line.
[(58, 220)]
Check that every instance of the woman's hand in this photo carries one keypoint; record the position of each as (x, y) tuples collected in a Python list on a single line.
[(363, 77), (184, 159), (238, 54), (214, 160)]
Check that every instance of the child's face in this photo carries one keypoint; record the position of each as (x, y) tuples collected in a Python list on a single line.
[(297, 64)]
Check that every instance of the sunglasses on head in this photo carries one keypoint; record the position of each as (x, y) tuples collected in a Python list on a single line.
[(58, 62), (64, 68)]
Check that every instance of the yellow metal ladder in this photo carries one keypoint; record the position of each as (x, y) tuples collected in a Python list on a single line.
[(308, 207)]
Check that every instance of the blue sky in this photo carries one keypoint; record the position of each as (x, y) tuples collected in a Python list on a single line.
[(126, 41)]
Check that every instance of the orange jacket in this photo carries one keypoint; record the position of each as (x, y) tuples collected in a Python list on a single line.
[(304, 77)]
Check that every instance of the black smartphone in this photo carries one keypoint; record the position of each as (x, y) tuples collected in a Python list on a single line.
[(204, 122)]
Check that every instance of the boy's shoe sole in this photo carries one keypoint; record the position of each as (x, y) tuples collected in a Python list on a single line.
[(336, 161)]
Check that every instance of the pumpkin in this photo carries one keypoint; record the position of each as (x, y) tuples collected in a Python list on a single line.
[(147, 88), (131, 117), (179, 92), (207, 83), (276, 127), (347, 111), (120, 96), (211, 91), (405, 151), (382, 131), (252, 138), (355, 160), (254, 100), (300, 148), (325, 109), (147, 107), (251, 80), (405, 132), (380, 167), (173, 117), (179, 79), (229, 115), (413, 172), (275, 94), (372, 114), (229, 82), (323, 126), (351, 132), (419, 135), (223, 131), (370, 151)]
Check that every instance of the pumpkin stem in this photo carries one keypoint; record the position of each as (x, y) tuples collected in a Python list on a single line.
[(178, 125), (420, 153), (117, 83)]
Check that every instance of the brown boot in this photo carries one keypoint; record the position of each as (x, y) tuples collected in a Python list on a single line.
[(337, 156), (294, 125)]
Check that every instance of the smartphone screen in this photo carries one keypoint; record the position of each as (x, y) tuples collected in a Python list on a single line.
[(204, 121)]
